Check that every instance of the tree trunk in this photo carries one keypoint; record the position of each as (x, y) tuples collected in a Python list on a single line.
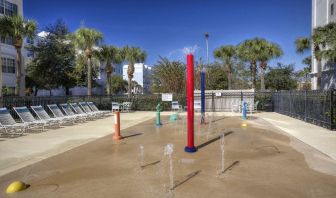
[(251, 69), (229, 76), (67, 91), (108, 83), (129, 87), (253, 74), (18, 71), (262, 80), (319, 68), (130, 72), (109, 71), (35, 91), (89, 76)]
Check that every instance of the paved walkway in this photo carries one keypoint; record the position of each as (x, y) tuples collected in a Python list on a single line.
[(322, 139), (22, 151), (19, 152)]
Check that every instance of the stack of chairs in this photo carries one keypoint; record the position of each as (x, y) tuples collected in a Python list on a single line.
[(38, 118)]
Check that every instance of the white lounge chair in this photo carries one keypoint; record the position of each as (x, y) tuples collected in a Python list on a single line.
[(235, 106), (80, 111), (255, 106), (69, 112), (26, 117), (57, 112), (115, 107), (126, 106), (85, 107), (197, 105), (94, 108), (43, 115), (8, 124), (175, 106)]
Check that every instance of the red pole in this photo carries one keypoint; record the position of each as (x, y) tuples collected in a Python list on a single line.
[(190, 148)]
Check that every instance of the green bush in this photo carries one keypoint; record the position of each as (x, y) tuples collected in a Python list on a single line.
[(265, 100)]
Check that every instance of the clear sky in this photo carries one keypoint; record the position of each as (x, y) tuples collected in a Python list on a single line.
[(165, 27)]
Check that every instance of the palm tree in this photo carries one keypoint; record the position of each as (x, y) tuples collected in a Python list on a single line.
[(168, 76), (304, 44), (18, 28), (110, 55), (269, 51), (326, 37), (250, 51), (132, 55), (226, 54), (86, 39)]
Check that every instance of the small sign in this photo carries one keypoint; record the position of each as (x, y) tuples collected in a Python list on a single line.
[(167, 97), (218, 94)]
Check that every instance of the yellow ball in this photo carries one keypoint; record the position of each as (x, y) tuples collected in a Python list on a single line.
[(15, 187), (244, 125)]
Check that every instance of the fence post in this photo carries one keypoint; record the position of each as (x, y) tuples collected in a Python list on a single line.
[(273, 101), (331, 103), (213, 101), (305, 106), (290, 103)]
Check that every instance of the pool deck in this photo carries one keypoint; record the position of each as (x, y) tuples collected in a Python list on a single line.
[(321, 139), (22, 151)]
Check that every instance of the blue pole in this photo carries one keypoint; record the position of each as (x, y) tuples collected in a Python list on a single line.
[(203, 97), (244, 110)]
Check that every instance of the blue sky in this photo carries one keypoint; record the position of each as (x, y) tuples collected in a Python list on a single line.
[(165, 27)]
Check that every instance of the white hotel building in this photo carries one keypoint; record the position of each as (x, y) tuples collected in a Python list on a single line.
[(142, 75), (323, 12), (7, 50)]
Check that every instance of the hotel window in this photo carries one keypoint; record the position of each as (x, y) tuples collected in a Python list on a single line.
[(30, 41), (30, 54), (8, 65), (2, 7), (8, 8), (7, 40), (332, 9)]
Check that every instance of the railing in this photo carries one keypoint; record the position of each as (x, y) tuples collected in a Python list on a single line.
[(139, 102), (316, 107)]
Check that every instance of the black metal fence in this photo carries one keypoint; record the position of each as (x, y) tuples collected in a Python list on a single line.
[(139, 102), (316, 107)]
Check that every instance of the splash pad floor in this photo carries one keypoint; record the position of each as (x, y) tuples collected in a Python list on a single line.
[(261, 162)]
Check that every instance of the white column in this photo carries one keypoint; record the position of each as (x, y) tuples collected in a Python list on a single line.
[(327, 12)]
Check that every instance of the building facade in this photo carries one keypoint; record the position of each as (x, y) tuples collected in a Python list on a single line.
[(142, 75), (7, 50), (323, 13)]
